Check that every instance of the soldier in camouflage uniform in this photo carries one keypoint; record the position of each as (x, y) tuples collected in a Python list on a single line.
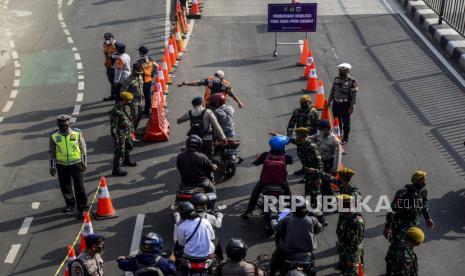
[(307, 151), (350, 232), (400, 259), (135, 85), (409, 203), (121, 132), (306, 116), (343, 182)]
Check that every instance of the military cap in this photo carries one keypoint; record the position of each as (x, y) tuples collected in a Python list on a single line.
[(302, 130), (419, 176), (344, 66), (305, 98), (344, 197), (126, 96), (416, 234), (345, 173), (137, 67)]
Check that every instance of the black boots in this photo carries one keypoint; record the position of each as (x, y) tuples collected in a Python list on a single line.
[(128, 162), (117, 171)]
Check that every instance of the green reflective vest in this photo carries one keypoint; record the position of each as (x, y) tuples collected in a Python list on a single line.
[(67, 147)]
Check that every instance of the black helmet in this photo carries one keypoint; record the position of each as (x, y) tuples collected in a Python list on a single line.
[(137, 67), (151, 243), (186, 210), (302, 210), (194, 141), (323, 124), (200, 201), (143, 50), (197, 101), (120, 47), (236, 249), (108, 36)]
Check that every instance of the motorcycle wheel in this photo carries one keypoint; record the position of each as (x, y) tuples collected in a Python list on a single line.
[(231, 169)]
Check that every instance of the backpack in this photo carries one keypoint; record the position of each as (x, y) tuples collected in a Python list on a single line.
[(81, 265), (274, 169), (197, 127), (143, 270)]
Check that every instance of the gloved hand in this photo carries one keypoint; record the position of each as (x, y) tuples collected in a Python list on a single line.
[(53, 171)]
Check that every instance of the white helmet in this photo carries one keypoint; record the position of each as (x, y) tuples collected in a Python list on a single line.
[(344, 66), (219, 74)]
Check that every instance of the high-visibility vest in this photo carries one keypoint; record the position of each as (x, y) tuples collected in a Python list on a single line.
[(67, 147), (208, 89), (108, 50), (147, 67)]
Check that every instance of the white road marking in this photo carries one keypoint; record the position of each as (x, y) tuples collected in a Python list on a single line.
[(25, 226), (60, 2), (1, 119), (63, 25), (73, 120), (137, 234), (7, 106), (13, 94), (79, 66), (17, 73), (80, 77), (79, 97), (16, 83), (35, 205), (70, 40), (10, 258), (14, 54), (334, 53), (5, 7), (8, 33), (22, 13), (74, 49), (17, 64), (70, 2), (60, 16), (66, 31), (12, 44), (77, 56), (80, 85), (76, 109)]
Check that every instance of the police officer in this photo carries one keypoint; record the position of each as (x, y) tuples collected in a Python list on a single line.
[(121, 132), (135, 85), (401, 259), (216, 84), (236, 250), (108, 50), (122, 68), (89, 262), (307, 150), (342, 98), (305, 116), (150, 69), (350, 233), (409, 203), (68, 158)]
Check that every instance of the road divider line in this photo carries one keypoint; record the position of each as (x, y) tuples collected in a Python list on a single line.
[(80, 77), (81, 86), (17, 73), (1, 119), (76, 109), (16, 83), (13, 94), (137, 234), (66, 31), (74, 49), (70, 2), (79, 97), (17, 64), (25, 226), (70, 40), (60, 16), (14, 249), (35, 205), (79, 66), (14, 54), (77, 56), (63, 25), (73, 120), (12, 44), (7, 106)]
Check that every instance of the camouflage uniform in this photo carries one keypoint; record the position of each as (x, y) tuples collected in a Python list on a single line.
[(121, 131), (303, 117), (407, 206), (350, 190), (135, 86), (401, 260), (350, 232)]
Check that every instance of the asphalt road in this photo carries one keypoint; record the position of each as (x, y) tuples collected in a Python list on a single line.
[(409, 116)]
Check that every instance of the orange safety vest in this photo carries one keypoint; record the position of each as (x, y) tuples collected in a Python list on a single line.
[(208, 90), (147, 67), (108, 50)]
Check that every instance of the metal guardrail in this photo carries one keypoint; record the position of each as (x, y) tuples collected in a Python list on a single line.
[(450, 11)]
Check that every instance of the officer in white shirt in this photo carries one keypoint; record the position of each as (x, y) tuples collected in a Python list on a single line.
[(122, 67)]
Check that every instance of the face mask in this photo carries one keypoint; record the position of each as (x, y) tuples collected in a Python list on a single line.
[(343, 73), (305, 105), (419, 186), (63, 127), (217, 80), (99, 249)]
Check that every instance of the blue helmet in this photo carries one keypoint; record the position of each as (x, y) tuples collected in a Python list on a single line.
[(151, 243), (278, 142)]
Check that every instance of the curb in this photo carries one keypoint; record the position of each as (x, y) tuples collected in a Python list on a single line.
[(451, 42)]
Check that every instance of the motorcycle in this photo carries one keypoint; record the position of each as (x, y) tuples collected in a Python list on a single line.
[(227, 159), (299, 261), (197, 266), (271, 216), (185, 194)]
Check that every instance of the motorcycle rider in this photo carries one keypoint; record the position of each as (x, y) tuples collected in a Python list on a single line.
[(216, 84), (236, 250), (224, 113), (194, 167), (295, 233), (203, 124), (149, 259), (273, 172)]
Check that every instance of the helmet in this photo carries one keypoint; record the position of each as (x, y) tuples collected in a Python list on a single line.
[(419, 177), (305, 99), (120, 47), (216, 100), (137, 67), (197, 101), (143, 50), (344, 66), (345, 173), (199, 201), (93, 239), (346, 200), (278, 142), (236, 249), (301, 210), (302, 130), (63, 118), (186, 210), (323, 124), (194, 141), (108, 36), (151, 243), (219, 74), (416, 234), (126, 96)]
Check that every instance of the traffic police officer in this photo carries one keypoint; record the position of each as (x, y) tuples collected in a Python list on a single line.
[(305, 116), (150, 69), (68, 158), (216, 84), (342, 98), (121, 132)]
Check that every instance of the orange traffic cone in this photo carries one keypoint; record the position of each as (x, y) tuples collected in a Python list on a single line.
[(195, 10), (166, 74), (179, 42), (304, 54), (175, 48), (310, 65), (161, 78), (320, 96), (312, 83), (71, 257), (172, 53), (105, 208), (87, 230), (158, 91), (168, 60), (326, 114), (336, 129)]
